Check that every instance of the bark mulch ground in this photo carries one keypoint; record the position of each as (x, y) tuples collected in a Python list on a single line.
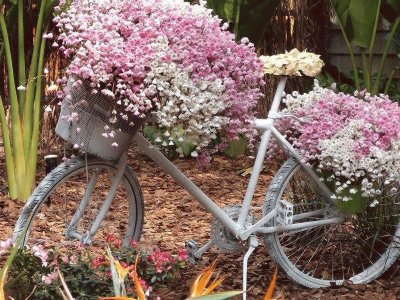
[(172, 217)]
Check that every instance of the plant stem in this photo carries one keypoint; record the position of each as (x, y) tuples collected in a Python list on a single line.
[(366, 74), (348, 45), (1, 54), (10, 167), (237, 19), (389, 81), (17, 136), (385, 53), (31, 165), (31, 85), (371, 46), (21, 53)]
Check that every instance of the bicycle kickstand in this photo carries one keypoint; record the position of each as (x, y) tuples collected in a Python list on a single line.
[(253, 244)]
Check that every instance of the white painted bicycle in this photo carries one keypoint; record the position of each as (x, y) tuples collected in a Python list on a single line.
[(314, 243)]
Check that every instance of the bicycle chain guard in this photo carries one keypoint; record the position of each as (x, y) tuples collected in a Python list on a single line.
[(221, 236)]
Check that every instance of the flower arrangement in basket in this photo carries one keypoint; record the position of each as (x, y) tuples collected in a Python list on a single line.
[(130, 58), (352, 141)]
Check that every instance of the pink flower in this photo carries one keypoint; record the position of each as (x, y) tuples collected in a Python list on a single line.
[(118, 46), (38, 251), (182, 254), (49, 278), (80, 247), (5, 245)]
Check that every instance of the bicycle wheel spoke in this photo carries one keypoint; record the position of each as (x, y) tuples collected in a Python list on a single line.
[(76, 196)]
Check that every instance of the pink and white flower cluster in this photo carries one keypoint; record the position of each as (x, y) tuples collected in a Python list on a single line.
[(355, 138), (166, 56)]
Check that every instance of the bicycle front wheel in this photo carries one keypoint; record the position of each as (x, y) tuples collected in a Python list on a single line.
[(56, 214), (359, 250)]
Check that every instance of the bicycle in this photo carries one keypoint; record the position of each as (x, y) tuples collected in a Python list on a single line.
[(313, 242)]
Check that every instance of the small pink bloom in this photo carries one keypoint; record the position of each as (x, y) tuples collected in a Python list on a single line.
[(5, 245)]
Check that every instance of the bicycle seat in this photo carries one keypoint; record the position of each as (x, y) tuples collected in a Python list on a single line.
[(293, 63)]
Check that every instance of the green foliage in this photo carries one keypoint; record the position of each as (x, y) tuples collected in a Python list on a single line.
[(389, 87), (82, 280), (24, 90), (157, 136), (249, 17), (358, 20), (24, 274), (236, 148), (87, 275), (156, 268)]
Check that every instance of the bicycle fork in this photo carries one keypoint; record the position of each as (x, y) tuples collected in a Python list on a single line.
[(86, 238)]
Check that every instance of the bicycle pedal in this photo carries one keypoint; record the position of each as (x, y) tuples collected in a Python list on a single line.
[(191, 248), (285, 213)]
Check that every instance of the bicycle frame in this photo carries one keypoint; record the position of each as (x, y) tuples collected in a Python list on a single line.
[(239, 229)]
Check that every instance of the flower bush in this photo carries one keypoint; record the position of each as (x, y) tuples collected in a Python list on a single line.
[(86, 271), (166, 56), (353, 140)]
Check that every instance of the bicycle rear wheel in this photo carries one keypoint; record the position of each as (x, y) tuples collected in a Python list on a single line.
[(48, 213), (360, 249)]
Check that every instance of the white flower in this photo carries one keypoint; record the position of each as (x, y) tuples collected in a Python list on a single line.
[(48, 36), (108, 93), (114, 144), (21, 88), (353, 191), (374, 203), (52, 87)]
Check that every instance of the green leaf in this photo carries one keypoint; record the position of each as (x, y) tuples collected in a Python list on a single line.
[(149, 132), (219, 296), (236, 148), (225, 9), (49, 10), (187, 147), (253, 15), (254, 18), (358, 19)]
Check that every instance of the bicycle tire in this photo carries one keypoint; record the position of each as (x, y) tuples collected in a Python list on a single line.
[(73, 176), (330, 255)]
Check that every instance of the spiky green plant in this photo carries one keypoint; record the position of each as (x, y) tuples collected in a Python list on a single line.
[(24, 92)]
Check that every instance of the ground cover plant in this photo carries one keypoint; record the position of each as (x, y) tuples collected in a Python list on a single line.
[(34, 270)]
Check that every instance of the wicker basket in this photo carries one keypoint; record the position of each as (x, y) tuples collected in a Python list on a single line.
[(94, 113)]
